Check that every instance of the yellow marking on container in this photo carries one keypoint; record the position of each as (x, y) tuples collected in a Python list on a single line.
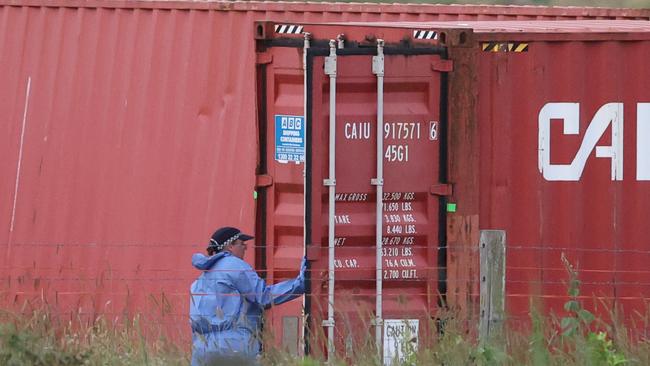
[(504, 47)]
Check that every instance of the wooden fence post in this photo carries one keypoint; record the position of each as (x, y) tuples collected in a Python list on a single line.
[(492, 251)]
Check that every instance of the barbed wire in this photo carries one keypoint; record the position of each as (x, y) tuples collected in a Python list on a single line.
[(346, 291), (603, 247), (194, 272), (189, 279), (619, 271)]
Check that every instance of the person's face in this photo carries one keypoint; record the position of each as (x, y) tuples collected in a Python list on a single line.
[(238, 248)]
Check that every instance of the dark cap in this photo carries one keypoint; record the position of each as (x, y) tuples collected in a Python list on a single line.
[(226, 235)]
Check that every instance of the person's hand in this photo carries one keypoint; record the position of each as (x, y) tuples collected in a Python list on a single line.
[(303, 268)]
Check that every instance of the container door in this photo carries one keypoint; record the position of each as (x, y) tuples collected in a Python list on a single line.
[(411, 213), (280, 181)]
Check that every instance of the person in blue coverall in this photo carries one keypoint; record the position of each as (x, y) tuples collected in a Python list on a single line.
[(228, 299)]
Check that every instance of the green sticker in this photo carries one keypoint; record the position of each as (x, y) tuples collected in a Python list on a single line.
[(451, 207), (254, 195)]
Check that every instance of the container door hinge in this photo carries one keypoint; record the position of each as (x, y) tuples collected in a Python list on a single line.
[(264, 58), (441, 189), (263, 180), (443, 65)]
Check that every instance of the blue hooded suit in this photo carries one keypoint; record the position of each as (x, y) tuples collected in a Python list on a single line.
[(226, 306)]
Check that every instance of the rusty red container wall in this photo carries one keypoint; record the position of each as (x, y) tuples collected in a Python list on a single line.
[(596, 218), (139, 138)]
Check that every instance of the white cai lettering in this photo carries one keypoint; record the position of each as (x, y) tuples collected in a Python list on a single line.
[(610, 114)]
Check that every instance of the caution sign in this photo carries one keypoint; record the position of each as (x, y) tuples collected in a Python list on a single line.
[(504, 47), (400, 340), (289, 138)]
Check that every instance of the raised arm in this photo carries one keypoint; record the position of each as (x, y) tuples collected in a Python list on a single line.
[(255, 289)]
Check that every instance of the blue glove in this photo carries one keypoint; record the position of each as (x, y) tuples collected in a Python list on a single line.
[(303, 268)]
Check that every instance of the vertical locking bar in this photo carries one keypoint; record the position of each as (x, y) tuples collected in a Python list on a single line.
[(378, 69), (330, 69), (306, 47)]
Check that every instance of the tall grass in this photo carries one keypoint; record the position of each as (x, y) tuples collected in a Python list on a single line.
[(43, 340), (576, 337)]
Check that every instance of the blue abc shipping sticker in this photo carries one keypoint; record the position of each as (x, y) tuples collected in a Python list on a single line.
[(289, 138)]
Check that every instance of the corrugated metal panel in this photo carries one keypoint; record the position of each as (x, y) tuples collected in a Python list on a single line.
[(116, 169), (595, 219)]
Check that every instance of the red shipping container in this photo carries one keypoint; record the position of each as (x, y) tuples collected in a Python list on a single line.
[(515, 126)]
